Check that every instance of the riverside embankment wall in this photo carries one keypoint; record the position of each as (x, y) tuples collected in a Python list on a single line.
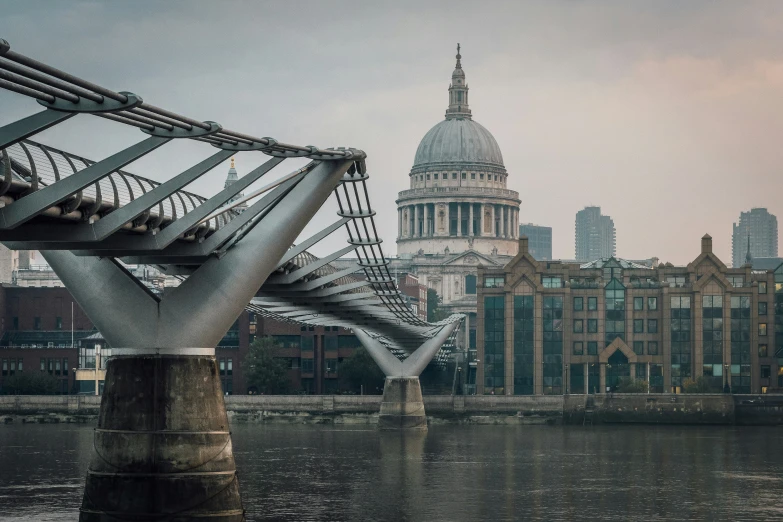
[(484, 409)]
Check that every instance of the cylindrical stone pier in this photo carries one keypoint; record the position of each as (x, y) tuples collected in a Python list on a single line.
[(402, 407), (162, 449)]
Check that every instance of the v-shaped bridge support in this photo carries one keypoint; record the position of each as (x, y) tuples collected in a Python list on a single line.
[(403, 405), (162, 445)]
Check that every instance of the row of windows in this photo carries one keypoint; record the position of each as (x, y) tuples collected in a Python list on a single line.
[(436, 175), (37, 323), (330, 365)]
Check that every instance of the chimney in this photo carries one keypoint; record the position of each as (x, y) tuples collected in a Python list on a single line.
[(706, 244), (523, 248)]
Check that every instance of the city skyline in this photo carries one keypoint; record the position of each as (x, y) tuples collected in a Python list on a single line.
[(656, 129)]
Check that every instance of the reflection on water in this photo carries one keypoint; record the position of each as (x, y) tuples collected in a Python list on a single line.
[(451, 473)]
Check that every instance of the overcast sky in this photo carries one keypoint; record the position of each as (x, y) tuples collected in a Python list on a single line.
[(669, 115)]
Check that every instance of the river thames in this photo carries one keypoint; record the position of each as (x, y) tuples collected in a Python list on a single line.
[(301, 472)]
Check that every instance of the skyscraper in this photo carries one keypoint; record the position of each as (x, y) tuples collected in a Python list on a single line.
[(539, 240), (595, 235), (761, 228)]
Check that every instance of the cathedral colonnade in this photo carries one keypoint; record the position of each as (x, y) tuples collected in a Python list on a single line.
[(451, 218)]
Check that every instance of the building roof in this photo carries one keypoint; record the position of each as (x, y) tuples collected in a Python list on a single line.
[(608, 261)]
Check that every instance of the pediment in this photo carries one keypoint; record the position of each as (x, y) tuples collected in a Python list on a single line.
[(617, 344), (472, 258), (712, 277)]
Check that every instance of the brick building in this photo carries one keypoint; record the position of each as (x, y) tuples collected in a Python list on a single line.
[(36, 334), (555, 327)]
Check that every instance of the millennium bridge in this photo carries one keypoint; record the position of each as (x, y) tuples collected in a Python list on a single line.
[(162, 448)]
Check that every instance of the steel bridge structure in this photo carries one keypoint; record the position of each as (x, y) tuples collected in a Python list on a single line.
[(162, 446)]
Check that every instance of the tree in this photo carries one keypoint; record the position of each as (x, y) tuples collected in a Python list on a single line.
[(628, 385), (263, 370), (360, 371), (31, 383), (700, 385), (434, 312)]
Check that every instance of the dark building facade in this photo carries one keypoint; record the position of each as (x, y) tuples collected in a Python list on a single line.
[(555, 328)]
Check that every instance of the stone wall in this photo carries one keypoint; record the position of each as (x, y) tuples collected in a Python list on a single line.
[(476, 409)]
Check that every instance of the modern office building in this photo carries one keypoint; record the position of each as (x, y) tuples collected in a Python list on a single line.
[(554, 328), (594, 234), (757, 233), (539, 240)]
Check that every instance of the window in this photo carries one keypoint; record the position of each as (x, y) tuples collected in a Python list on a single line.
[(20, 365), (736, 281), (435, 176), (470, 284), (229, 367), (592, 326), (652, 303), (464, 175), (15, 323), (494, 282), (638, 348), (37, 323), (765, 371), (578, 326), (763, 350), (481, 176), (762, 287), (676, 281), (652, 348), (552, 282), (58, 323), (592, 303), (472, 175), (615, 311), (578, 303), (652, 325), (762, 308), (453, 175), (638, 326), (65, 367), (762, 328), (43, 364), (5, 367), (330, 366), (496, 177), (592, 348), (428, 177), (578, 348), (638, 303), (307, 366)]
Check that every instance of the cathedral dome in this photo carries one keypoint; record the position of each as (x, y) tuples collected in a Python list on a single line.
[(458, 141)]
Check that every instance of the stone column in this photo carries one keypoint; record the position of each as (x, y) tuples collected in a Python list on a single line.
[(505, 220), (425, 223), (447, 217), (494, 224), (399, 223), (416, 221), (459, 219), (470, 222), (481, 219), (602, 382)]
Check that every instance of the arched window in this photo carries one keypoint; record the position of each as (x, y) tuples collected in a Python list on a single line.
[(470, 284)]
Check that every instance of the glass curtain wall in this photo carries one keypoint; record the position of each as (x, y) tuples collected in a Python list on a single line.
[(681, 340), (523, 344), (553, 345), (712, 332), (740, 344), (615, 311), (494, 341)]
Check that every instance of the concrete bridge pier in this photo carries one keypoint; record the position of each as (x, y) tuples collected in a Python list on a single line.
[(402, 407), (162, 445)]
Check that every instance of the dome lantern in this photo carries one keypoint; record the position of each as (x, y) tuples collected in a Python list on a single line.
[(458, 93)]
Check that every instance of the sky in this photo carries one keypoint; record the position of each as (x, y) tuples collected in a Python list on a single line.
[(667, 114)]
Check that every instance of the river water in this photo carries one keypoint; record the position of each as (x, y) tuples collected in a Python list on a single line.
[(301, 472)]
